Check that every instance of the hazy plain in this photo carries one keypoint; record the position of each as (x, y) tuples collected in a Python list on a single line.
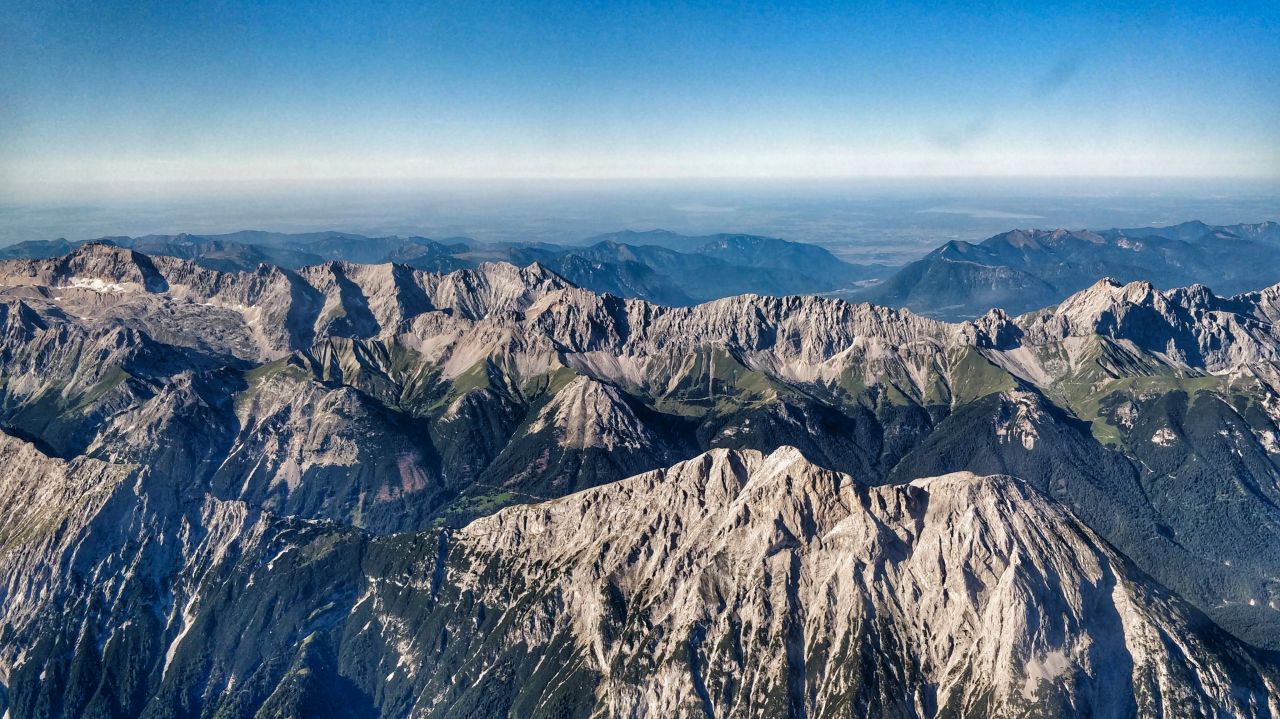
[(887, 220)]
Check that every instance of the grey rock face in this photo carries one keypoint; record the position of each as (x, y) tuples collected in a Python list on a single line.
[(656, 266), (734, 583), (196, 457), (742, 584)]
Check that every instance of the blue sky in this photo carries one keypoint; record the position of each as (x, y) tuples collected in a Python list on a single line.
[(183, 91)]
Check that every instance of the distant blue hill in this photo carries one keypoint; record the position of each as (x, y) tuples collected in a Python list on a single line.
[(659, 266), (1022, 270)]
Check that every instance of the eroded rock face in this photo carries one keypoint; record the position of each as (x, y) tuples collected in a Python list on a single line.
[(735, 583), (191, 457), (536, 317), (744, 584)]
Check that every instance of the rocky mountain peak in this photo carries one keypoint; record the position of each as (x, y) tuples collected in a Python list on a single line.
[(989, 594), (1190, 327), (588, 413), (101, 267), (1107, 295), (492, 288)]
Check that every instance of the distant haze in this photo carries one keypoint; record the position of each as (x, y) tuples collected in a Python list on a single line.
[(890, 221)]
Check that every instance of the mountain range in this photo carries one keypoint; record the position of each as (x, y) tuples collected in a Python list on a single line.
[(1017, 271), (1023, 270), (659, 266), (353, 489)]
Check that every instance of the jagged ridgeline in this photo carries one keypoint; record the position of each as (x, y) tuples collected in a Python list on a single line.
[(281, 493), (657, 265)]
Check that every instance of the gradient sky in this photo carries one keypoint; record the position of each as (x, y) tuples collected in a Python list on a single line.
[(164, 91)]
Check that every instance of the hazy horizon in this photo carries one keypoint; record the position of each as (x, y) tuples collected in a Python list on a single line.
[(885, 220)]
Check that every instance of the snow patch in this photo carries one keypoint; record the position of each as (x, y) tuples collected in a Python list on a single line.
[(97, 285)]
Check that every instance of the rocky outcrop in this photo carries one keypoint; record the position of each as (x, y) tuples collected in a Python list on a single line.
[(743, 584), (736, 583), (328, 420)]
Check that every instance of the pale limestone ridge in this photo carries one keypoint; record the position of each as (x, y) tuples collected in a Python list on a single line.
[(532, 319), (973, 595), (587, 413)]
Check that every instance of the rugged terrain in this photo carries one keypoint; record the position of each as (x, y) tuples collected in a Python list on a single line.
[(658, 266), (1018, 271), (316, 458), (731, 584)]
